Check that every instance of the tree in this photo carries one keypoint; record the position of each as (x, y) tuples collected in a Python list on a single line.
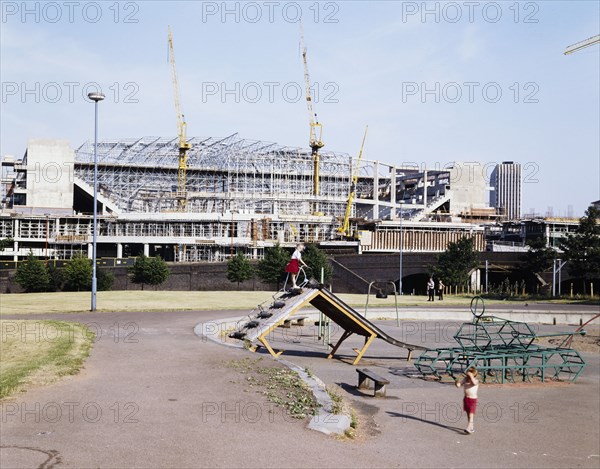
[(582, 248), (32, 275), (105, 279), (538, 259), (77, 273), (272, 267), (149, 270), (4, 243), (239, 269), (456, 262), (317, 260), (57, 278)]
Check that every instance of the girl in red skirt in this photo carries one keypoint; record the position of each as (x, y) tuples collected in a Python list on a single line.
[(470, 383), (293, 266)]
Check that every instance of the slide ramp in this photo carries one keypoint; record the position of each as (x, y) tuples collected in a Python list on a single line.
[(272, 314)]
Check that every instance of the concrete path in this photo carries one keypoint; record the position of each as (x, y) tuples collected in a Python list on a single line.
[(155, 395)]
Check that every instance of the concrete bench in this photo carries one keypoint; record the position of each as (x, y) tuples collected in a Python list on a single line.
[(299, 321), (365, 374)]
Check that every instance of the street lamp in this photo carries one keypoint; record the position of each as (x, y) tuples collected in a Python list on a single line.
[(96, 97), (401, 240)]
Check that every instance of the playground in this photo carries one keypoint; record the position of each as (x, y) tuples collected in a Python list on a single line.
[(155, 394)]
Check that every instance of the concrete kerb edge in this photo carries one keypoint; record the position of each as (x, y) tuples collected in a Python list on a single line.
[(214, 330), (325, 421)]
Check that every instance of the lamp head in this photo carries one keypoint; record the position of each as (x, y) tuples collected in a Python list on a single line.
[(96, 96)]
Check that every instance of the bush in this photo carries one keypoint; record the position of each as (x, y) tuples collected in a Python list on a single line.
[(105, 279), (78, 274), (32, 275), (149, 270), (317, 260), (272, 267), (57, 278), (239, 269)]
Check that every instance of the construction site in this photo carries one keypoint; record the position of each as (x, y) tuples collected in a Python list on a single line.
[(206, 199)]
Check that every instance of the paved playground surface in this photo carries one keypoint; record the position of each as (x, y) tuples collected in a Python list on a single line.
[(153, 394)]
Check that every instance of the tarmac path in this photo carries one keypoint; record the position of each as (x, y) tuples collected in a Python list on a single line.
[(155, 395)]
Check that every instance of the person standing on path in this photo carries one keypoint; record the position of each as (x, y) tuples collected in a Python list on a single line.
[(430, 289), (293, 266), (470, 384), (441, 287)]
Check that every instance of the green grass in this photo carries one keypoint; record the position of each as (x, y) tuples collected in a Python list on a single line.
[(36, 353), (137, 300)]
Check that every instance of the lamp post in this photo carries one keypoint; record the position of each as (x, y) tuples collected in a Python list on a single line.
[(401, 240), (96, 97)]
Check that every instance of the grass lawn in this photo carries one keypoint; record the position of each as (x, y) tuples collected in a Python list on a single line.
[(137, 300), (37, 353)]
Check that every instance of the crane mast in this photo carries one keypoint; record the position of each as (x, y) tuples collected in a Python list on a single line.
[(316, 129), (184, 146), (344, 230)]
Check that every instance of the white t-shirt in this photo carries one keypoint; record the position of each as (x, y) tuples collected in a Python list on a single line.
[(297, 255)]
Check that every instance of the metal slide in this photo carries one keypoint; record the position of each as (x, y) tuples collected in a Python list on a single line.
[(266, 317), (351, 312)]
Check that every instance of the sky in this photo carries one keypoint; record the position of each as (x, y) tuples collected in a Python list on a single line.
[(436, 82)]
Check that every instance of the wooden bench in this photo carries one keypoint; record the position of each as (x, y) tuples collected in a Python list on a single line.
[(379, 383), (287, 323)]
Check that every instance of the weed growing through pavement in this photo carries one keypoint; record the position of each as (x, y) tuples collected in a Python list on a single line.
[(336, 399), (340, 407), (280, 386)]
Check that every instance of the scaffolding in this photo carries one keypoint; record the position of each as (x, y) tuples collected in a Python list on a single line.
[(241, 196), (224, 175)]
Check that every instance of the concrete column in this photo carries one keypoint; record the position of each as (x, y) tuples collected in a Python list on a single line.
[(425, 188), (376, 191), (146, 250), (16, 235), (393, 192), (90, 250), (119, 251)]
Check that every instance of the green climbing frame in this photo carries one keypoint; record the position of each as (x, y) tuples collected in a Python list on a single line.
[(503, 351)]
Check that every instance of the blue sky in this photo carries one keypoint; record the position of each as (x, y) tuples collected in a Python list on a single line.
[(436, 82)]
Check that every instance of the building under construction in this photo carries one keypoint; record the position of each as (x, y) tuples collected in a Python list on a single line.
[(241, 196)]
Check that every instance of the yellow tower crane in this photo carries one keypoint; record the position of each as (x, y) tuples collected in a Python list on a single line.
[(184, 146), (344, 230), (316, 129)]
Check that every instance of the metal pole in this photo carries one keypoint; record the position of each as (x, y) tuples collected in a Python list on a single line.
[(554, 277), (400, 279), (96, 97), (559, 276), (396, 298)]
